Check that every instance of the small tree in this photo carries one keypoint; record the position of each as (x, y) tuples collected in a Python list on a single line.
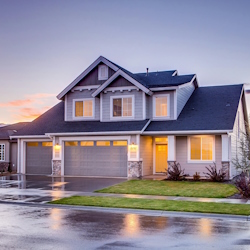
[(242, 159)]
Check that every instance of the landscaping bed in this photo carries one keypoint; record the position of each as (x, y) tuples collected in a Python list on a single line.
[(164, 205), (173, 188)]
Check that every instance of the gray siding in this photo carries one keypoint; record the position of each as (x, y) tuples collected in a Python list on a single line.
[(138, 114), (191, 168), (120, 82), (146, 154), (183, 95), (13, 155), (149, 104), (92, 77), (236, 137), (81, 95)]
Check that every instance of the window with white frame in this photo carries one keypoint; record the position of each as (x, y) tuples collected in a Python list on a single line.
[(83, 108), (201, 148), (2, 152), (122, 106), (161, 106), (103, 72)]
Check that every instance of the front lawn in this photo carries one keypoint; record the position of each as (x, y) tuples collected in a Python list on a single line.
[(173, 188), (165, 205)]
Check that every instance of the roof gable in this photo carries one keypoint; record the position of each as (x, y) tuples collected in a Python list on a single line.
[(85, 73), (127, 77)]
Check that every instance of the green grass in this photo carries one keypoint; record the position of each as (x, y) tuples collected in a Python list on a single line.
[(184, 206), (173, 188)]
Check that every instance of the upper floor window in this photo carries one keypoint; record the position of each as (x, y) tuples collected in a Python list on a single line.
[(102, 72), (161, 106), (122, 106), (2, 152), (83, 108), (201, 148)]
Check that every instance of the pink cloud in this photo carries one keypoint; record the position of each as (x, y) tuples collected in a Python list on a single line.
[(16, 103), (29, 114)]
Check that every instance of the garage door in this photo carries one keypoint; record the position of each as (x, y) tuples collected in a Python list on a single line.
[(38, 157), (95, 158)]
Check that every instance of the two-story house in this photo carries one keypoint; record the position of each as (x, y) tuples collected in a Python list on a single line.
[(111, 122)]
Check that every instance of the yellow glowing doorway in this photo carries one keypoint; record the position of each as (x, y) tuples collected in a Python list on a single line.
[(161, 158)]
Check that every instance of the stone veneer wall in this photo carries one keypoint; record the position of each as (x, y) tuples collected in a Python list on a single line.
[(134, 169), (56, 167)]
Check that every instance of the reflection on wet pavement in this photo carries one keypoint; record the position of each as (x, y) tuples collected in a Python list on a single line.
[(41, 189), (53, 228)]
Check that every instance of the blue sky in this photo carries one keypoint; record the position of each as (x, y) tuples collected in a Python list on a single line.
[(45, 45)]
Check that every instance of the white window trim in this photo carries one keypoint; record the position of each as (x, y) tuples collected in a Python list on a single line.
[(3, 145), (82, 118), (121, 117), (106, 72), (168, 107), (200, 161)]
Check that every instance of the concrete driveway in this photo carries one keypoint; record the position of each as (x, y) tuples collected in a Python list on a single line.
[(39, 188)]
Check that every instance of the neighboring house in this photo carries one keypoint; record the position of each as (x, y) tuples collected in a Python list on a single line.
[(111, 122), (8, 147)]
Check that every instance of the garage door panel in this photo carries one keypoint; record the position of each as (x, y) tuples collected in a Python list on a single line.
[(96, 160), (38, 158)]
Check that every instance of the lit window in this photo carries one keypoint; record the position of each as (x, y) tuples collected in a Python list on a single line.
[(84, 108), (201, 148), (87, 143), (120, 143), (122, 107), (103, 143), (2, 152), (161, 106), (32, 144), (102, 72), (71, 143), (47, 144)]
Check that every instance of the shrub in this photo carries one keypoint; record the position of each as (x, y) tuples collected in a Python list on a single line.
[(196, 176), (175, 173), (242, 183), (213, 175)]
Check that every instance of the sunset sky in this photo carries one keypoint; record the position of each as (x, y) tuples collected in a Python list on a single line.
[(45, 45)]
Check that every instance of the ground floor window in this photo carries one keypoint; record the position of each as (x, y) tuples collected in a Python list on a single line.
[(2, 152), (201, 148)]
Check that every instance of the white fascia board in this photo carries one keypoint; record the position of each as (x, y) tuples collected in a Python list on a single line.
[(188, 132), (95, 133), (29, 136), (143, 129), (127, 77), (88, 87), (84, 73)]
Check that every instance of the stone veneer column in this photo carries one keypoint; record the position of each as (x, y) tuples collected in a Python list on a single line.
[(225, 165), (56, 167), (134, 169)]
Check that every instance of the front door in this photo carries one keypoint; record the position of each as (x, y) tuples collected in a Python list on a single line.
[(161, 158)]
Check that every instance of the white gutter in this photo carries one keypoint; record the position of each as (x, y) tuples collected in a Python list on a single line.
[(29, 136), (188, 132), (95, 133)]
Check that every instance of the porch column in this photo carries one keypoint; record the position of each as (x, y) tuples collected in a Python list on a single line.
[(57, 155), (171, 149), (225, 163)]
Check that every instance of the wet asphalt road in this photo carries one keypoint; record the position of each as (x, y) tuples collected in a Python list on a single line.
[(26, 227)]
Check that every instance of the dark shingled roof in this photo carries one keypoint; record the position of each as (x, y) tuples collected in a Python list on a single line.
[(7, 131), (158, 79), (52, 121), (209, 108)]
